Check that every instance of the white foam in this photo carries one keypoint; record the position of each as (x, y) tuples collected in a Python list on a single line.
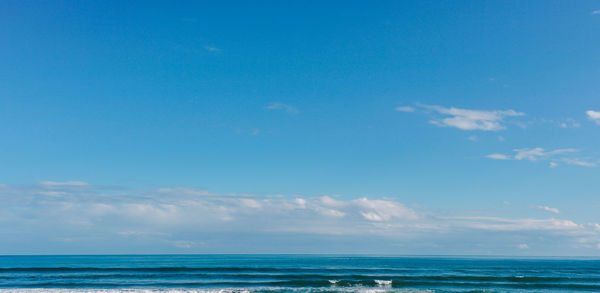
[(333, 281), (383, 282)]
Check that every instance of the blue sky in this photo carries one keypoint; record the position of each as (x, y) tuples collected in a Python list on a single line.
[(355, 127)]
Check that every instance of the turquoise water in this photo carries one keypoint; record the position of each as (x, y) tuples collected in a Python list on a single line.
[(294, 273)]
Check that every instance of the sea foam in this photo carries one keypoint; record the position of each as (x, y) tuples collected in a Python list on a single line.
[(383, 282)]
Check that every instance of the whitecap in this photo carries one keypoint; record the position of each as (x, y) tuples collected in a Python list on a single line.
[(383, 282)]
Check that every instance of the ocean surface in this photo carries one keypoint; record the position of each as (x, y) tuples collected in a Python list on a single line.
[(294, 273)]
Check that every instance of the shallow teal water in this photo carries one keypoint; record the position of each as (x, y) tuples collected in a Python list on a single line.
[(295, 273)]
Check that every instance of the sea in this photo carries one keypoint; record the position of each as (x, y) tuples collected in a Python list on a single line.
[(294, 273)]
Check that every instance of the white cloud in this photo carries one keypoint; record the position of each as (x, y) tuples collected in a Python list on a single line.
[(578, 162), (523, 246), (595, 12), (186, 215), (593, 115), (59, 188), (596, 226), (158, 213), (64, 184), (372, 216), (165, 210), (405, 109), (466, 119), (562, 123), (282, 107), (331, 212), (251, 203), (301, 202), (569, 123), (331, 202), (498, 157), (180, 190), (383, 210), (548, 209), (539, 154), (526, 224), (473, 138)]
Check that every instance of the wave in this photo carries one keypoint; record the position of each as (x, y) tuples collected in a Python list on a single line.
[(383, 282), (227, 290), (248, 279), (331, 278), (197, 269), (323, 285)]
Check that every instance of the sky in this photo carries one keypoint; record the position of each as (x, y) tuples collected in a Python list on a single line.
[(368, 127)]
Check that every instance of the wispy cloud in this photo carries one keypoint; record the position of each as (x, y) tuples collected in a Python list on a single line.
[(498, 157), (540, 154), (182, 217), (579, 162), (282, 107), (55, 187), (212, 49), (596, 12), (569, 123), (562, 123), (465, 119), (407, 109), (535, 154), (523, 224), (548, 209), (63, 184), (593, 115)]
